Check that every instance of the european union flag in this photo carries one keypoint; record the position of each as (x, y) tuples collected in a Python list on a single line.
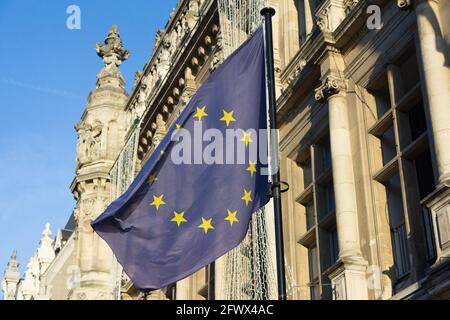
[(179, 216)]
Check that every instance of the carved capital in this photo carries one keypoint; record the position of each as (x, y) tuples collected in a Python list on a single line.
[(404, 4), (331, 86)]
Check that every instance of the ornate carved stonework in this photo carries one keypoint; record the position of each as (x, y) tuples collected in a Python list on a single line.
[(167, 50), (158, 37), (404, 4), (193, 13), (186, 97), (89, 142), (137, 77), (113, 54), (331, 85), (160, 129), (350, 4), (298, 69), (331, 13), (323, 21), (80, 296), (112, 51), (218, 53), (101, 135)]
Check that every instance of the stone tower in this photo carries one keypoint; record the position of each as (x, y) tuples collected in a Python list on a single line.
[(11, 278), (101, 133)]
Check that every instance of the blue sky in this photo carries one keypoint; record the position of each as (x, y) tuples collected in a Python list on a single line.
[(46, 73)]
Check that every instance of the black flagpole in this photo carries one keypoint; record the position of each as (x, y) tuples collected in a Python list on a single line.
[(276, 184)]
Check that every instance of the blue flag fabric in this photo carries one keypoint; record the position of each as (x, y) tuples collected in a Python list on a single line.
[(177, 218)]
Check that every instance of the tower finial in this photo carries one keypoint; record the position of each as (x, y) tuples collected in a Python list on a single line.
[(114, 31), (47, 231), (112, 52), (13, 264)]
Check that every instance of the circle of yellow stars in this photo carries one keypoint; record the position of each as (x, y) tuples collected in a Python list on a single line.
[(207, 224)]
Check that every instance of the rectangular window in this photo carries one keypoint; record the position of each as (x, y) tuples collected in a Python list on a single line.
[(409, 72), (326, 154), (329, 247), (314, 283), (307, 173), (318, 199), (425, 175), (301, 9), (306, 17), (429, 234), (310, 216), (382, 99), (397, 224), (329, 192), (334, 246), (326, 202), (400, 246), (394, 202), (388, 147), (323, 156), (407, 172), (313, 264), (417, 121)]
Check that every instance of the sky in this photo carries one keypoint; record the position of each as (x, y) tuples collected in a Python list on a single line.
[(46, 74)]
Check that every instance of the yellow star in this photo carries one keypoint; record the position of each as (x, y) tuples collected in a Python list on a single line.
[(231, 217), (157, 201), (178, 126), (151, 180), (206, 225), (200, 113), (179, 218), (247, 197), (247, 138), (252, 168), (162, 152), (228, 117)]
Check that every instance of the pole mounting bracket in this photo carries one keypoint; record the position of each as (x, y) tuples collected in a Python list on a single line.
[(284, 186)]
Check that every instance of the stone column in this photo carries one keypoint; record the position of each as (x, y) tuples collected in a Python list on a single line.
[(349, 275), (436, 80)]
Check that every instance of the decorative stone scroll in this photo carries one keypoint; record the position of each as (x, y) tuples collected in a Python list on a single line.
[(331, 85)]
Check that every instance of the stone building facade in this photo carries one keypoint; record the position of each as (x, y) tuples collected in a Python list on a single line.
[(363, 105)]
